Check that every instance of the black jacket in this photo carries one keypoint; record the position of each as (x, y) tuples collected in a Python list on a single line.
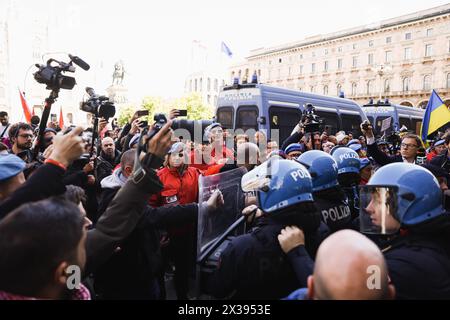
[(131, 271), (442, 161), (253, 265), (105, 165), (381, 158), (334, 208), (419, 268), (294, 138)]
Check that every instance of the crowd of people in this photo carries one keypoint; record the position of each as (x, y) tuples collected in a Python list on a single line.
[(326, 216)]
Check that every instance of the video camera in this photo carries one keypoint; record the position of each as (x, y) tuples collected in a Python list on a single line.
[(188, 125), (310, 119), (99, 106), (51, 74)]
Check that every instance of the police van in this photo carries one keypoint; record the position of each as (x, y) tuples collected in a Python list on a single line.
[(400, 116), (263, 107)]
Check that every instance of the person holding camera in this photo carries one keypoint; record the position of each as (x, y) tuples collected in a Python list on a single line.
[(409, 147)]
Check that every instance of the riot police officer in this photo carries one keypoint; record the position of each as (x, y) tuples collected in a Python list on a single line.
[(253, 265), (348, 175), (329, 197), (403, 202)]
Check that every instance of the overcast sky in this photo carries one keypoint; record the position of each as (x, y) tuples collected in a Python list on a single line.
[(154, 38)]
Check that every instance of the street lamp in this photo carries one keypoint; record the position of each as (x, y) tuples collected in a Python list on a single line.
[(381, 70)]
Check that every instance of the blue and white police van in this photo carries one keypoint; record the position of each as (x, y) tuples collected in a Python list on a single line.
[(401, 116), (265, 108)]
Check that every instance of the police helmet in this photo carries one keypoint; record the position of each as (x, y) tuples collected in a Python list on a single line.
[(418, 195), (322, 167), (346, 159), (279, 184)]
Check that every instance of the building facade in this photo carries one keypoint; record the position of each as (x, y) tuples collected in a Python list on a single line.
[(401, 59), (206, 72), (206, 84), (32, 33)]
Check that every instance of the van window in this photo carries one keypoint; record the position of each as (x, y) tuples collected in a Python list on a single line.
[(351, 123), (247, 118), (225, 117), (283, 119), (407, 123), (330, 121), (370, 118)]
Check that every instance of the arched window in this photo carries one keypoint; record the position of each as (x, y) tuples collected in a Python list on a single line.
[(369, 87), (209, 85), (427, 82), (325, 90), (216, 85), (311, 89), (354, 89), (387, 85), (406, 83), (201, 84), (448, 80), (339, 89)]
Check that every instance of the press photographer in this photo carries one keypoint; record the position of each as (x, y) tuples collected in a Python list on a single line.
[(409, 147)]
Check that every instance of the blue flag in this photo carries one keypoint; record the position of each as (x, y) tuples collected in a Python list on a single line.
[(436, 116), (226, 50)]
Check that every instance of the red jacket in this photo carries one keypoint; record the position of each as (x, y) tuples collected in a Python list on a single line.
[(178, 189), (226, 153)]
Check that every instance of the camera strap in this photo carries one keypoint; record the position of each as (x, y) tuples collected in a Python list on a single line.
[(3, 133)]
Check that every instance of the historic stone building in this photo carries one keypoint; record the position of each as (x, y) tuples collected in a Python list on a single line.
[(401, 59)]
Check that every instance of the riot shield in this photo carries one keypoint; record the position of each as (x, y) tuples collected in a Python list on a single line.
[(213, 223)]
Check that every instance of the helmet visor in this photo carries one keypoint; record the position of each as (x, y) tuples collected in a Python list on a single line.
[(378, 209), (259, 177)]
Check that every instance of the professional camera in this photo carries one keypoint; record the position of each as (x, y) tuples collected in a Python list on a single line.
[(51, 73), (99, 106), (394, 140), (188, 125), (310, 119)]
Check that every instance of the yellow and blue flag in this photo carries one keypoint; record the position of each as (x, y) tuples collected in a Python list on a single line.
[(436, 116)]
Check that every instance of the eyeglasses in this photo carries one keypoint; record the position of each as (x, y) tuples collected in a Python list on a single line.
[(407, 146), (26, 135)]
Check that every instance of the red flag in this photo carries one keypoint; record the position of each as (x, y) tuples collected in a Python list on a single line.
[(61, 119), (26, 110)]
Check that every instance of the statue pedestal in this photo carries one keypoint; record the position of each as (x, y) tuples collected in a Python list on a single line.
[(118, 94)]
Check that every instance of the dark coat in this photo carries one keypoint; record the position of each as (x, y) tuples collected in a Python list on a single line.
[(381, 158), (105, 165), (253, 265), (130, 273), (442, 161), (419, 268)]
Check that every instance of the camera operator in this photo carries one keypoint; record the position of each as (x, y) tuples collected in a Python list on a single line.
[(410, 145)]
